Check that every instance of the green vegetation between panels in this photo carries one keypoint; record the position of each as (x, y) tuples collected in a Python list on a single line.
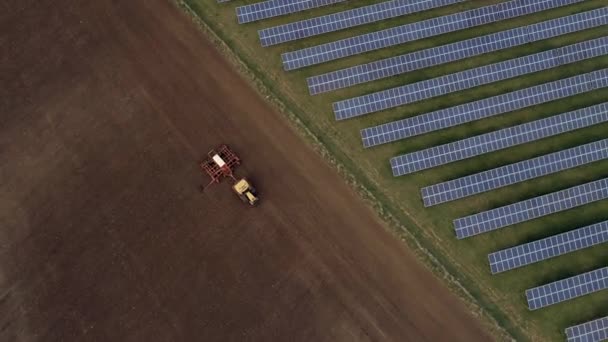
[(500, 296)]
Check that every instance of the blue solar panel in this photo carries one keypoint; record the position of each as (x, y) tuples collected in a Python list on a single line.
[(347, 19), (594, 331), (566, 289), (514, 173), (551, 247), (419, 30), (343, 20), (471, 78), (456, 51), (498, 140), (531, 209), (485, 108), (275, 8)]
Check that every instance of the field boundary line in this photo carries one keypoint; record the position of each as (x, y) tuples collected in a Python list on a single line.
[(356, 179)]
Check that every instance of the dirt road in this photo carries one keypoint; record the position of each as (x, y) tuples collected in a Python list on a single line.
[(104, 236)]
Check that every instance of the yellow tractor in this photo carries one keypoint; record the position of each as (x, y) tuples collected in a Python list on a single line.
[(245, 191), (221, 163)]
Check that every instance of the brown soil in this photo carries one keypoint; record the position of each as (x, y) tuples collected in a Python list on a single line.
[(106, 106)]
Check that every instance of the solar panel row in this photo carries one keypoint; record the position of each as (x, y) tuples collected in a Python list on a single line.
[(471, 78), (533, 252), (498, 140), (514, 173), (594, 331), (484, 108), (415, 31), (531, 209), (347, 19), (275, 8), (452, 52), (562, 290)]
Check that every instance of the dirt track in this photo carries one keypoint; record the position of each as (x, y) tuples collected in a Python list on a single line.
[(105, 108)]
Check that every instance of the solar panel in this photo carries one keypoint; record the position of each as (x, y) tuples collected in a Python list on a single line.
[(531, 209), (415, 31), (533, 252), (347, 19), (457, 51), (514, 173), (471, 78), (566, 289), (594, 331), (485, 108), (275, 8), (498, 140)]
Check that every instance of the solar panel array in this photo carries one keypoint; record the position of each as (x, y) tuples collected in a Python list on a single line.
[(347, 19), (529, 253), (484, 108), (531, 209), (498, 140), (594, 331), (415, 31), (566, 289), (452, 52), (275, 8), (514, 173), (471, 78)]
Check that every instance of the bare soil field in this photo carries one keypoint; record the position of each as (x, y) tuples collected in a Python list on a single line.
[(106, 107)]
